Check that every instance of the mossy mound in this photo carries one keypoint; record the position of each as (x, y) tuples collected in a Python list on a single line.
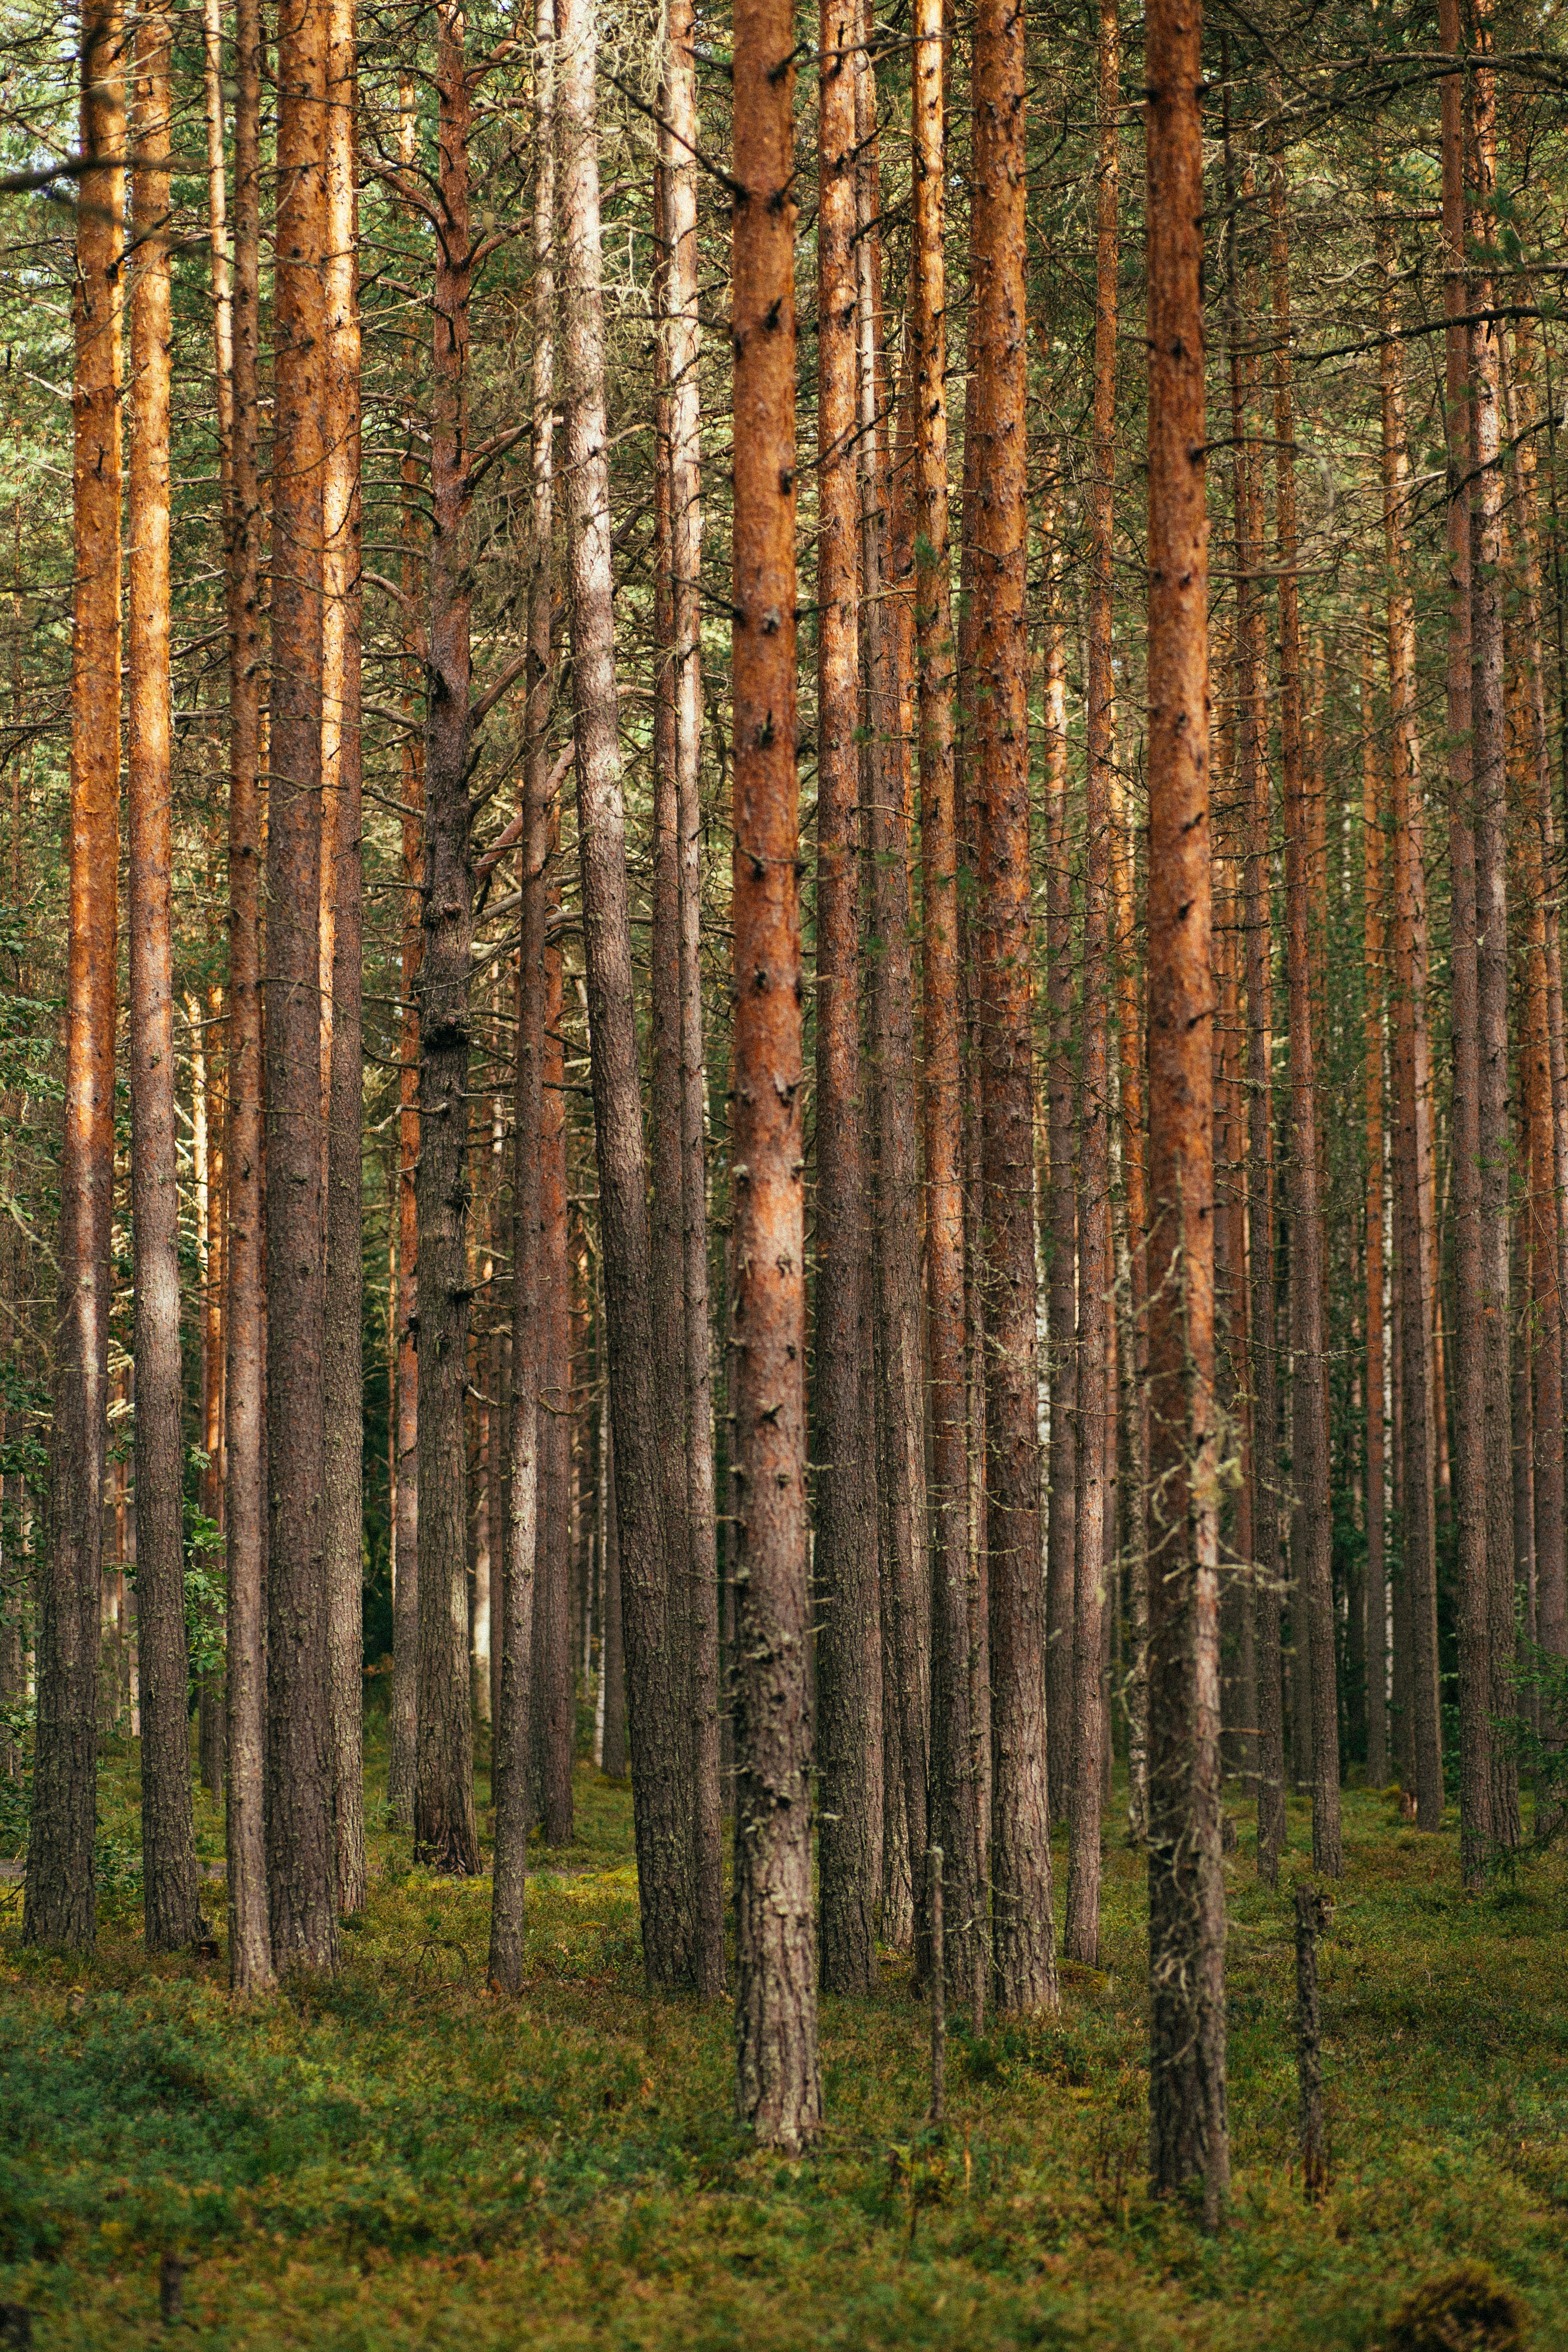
[(1467, 2309)]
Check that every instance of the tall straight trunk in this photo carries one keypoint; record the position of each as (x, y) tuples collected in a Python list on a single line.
[(1187, 2108), (845, 1564), (58, 1901), (509, 1744), (1095, 1421), (1375, 971), (400, 1742), (661, 1785), (300, 1829), (168, 1849), (895, 1235), (445, 1832), (1470, 1361), (1489, 755), (1549, 1117), (953, 1762), (1312, 1541), (1025, 1975), (686, 549), (778, 2076), (1135, 1356), (554, 1682), (249, 1933), (1061, 1205), (1414, 1289), (343, 1383), (1256, 796)]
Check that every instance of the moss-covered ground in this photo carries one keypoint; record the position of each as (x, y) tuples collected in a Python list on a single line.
[(397, 2159)]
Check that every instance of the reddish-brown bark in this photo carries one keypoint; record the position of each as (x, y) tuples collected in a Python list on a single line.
[(1188, 2126)]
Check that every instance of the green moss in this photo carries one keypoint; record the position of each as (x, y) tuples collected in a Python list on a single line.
[(396, 2159)]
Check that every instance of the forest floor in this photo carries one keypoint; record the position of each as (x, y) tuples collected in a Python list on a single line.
[(397, 2159)]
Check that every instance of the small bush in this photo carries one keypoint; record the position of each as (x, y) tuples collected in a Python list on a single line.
[(1463, 2310)]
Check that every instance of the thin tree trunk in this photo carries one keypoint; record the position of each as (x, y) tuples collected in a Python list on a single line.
[(446, 1834), (661, 1787), (168, 1849), (847, 1617), (250, 1934), (1490, 754), (1187, 2106), (1372, 935), (510, 1747), (58, 1901), (300, 1829), (1061, 1209), (1470, 1371), (686, 549), (401, 1743), (778, 2077), (343, 1380), (1313, 1605), (1130, 1049), (1026, 1976), (1095, 1424), (954, 1777), (554, 1680)]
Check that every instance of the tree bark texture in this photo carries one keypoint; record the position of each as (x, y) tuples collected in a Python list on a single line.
[(1025, 1958), (661, 1787), (58, 1899), (168, 1849), (1187, 2108), (1313, 1608), (300, 1829), (446, 1834), (778, 2077), (1375, 1603)]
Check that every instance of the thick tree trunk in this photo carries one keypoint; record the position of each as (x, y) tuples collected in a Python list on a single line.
[(1489, 755), (250, 1934), (343, 1431), (168, 1851), (1025, 1975), (778, 2078), (844, 1563), (1187, 2106), (1096, 1451), (445, 1832), (300, 1829), (1470, 1368), (661, 1790), (401, 1740), (59, 1901), (686, 549), (956, 1794), (510, 1743), (1313, 1603)]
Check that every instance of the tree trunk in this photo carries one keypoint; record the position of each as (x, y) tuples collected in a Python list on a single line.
[(509, 1741), (401, 1743), (59, 1901), (1095, 1421), (1469, 1380), (553, 1681), (1373, 933), (249, 1933), (845, 1564), (662, 1789), (1026, 1976), (168, 1851), (686, 549), (1061, 1210), (1187, 2108), (1313, 1603), (1131, 1048), (778, 2079), (300, 1836), (343, 1376), (955, 1792), (445, 1832), (1489, 755)]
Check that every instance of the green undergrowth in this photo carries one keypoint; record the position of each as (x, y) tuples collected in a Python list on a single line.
[(397, 2159)]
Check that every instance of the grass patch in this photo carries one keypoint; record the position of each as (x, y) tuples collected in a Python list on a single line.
[(398, 2160)]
